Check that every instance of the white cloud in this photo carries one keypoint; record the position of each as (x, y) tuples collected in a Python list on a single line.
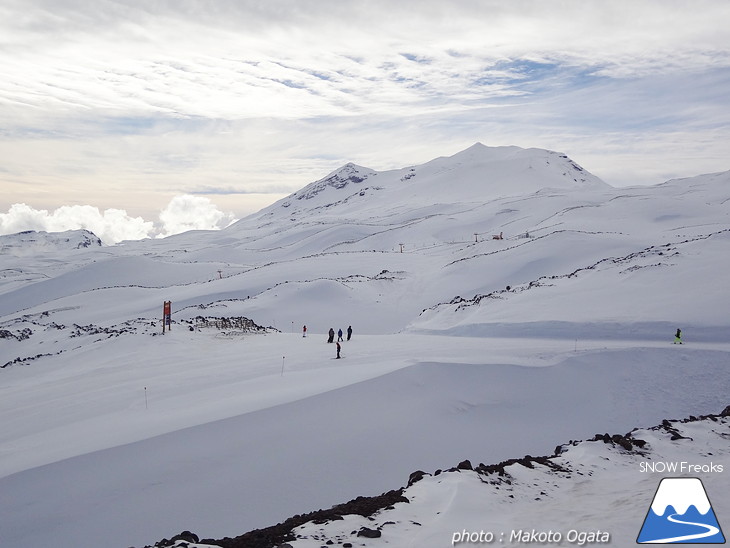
[(333, 59), (111, 225), (269, 96), (115, 225), (188, 212)]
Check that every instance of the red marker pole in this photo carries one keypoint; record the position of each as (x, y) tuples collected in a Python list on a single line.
[(166, 315)]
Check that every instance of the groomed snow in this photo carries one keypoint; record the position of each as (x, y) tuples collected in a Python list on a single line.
[(114, 437)]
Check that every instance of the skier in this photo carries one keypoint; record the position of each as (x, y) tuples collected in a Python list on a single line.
[(339, 335), (331, 336), (304, 331), (349, 332), (678, 337), (338, 350)]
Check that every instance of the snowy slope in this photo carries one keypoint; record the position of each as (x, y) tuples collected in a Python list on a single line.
[(32, 256), (471, 175), (590, 492), (32, 242), (593, 492), (112, 430)]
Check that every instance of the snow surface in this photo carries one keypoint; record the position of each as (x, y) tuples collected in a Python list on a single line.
[(114, 435), (32, 242), (598, 489)]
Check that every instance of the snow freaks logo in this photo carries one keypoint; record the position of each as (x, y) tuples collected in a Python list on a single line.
[(680, 513)]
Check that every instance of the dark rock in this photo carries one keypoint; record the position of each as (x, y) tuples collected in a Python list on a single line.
[(626, 441), (369, 533), (187, 536), (527, 461), (277, 535), (465, 465), (415, 477)]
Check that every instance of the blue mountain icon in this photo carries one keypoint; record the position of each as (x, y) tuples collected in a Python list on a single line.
[(680, 513)]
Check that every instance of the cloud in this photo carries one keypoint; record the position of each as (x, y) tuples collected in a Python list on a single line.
[(276, 59), (111, 102), (111, 225), (187, 212), (115, 225)]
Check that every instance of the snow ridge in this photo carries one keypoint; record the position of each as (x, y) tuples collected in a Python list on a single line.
[(30, 241), (339, 179), (424, 509)]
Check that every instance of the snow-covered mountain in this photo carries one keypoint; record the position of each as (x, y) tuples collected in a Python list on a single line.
[(465, 346), (473, 175), (31, 242)]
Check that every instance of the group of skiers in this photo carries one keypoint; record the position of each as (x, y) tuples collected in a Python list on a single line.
[(331, 337)]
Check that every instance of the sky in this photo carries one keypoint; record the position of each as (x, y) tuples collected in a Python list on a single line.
[(144, 118)]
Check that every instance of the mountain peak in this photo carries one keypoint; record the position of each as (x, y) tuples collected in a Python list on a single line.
[(480, 149), (349, 174), (477, 173), (510, 170), (32, 241)]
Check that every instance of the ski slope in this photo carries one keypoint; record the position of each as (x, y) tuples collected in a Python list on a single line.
[(464, 347)]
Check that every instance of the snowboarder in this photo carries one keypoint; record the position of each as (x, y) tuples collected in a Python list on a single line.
[(338, 350), (349, 332), (339, 335), (331, 336), (678, 337), (304, 331)]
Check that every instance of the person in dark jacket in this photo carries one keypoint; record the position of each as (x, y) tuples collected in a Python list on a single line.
[(338, 349), (349, 332), (678, 337), (339, 335), (331, 336)]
